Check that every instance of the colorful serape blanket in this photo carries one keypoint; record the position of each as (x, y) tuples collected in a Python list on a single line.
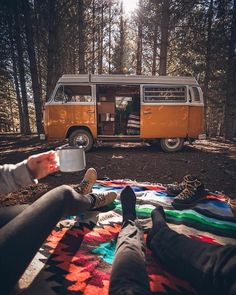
[(77, 256)]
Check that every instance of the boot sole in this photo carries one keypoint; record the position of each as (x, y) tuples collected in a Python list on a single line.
[(172, 194), (179, 206)]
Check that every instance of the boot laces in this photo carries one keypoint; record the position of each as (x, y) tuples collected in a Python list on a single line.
[(189, 190), (100, 199), (176, 186), (82, 186)]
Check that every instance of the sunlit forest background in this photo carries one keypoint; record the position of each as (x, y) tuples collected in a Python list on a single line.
[(42, 39)]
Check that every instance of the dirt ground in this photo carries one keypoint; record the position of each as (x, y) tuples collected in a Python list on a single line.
[(214, 162)]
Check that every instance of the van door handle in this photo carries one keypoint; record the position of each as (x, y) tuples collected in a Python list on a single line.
[(90, 111), (147, 112)]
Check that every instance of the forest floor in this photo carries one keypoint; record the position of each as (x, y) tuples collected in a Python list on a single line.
[(214, 162)]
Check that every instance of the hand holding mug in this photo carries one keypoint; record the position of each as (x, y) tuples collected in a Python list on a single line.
[(43, 164)]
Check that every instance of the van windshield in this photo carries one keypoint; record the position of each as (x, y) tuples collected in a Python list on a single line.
[(73, 93)]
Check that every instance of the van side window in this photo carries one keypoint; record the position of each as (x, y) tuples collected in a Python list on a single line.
[(77, 93), (164, 94), (59, 96), (196, 94)]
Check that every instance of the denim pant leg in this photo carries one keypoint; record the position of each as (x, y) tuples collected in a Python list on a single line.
[(21, 238), (209, 268), (129, 275)]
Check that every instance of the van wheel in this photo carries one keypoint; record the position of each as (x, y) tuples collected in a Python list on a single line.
[(172, 144), (82, 138)]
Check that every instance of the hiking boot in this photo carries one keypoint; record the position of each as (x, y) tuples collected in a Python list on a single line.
[(175, 188), (85, 187), (232, 203), (103, 199), (194, 191)]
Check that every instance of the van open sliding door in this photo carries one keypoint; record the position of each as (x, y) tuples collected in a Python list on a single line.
[(118, 111)]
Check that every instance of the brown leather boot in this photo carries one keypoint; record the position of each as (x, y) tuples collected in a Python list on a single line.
[(194, 192), (173, 189)]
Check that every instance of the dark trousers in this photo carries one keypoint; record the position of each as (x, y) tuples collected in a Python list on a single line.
[(24, 229), (211, 269), (129, 275)]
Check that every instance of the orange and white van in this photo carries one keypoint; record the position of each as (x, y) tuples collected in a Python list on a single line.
[(99, 108)]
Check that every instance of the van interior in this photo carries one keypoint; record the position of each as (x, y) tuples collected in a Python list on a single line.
[(118, 110)]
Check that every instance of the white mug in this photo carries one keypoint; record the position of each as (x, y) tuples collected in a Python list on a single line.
[(71, 159)]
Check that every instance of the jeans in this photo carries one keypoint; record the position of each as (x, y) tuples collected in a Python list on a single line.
[(211, 269), (129, 275), (25, 228)]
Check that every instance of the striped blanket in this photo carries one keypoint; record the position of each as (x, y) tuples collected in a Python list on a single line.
[(77, 256)]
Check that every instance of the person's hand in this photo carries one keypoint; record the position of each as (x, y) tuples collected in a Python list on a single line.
[(42, 164)]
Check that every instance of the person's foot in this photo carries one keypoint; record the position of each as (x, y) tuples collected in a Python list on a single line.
[(103, 199), (128, 202), (158, 220), (85, 187)]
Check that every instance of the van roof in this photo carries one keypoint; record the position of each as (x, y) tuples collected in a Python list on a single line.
[(126, 79)]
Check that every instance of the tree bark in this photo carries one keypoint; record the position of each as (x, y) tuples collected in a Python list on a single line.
[(230, 104), (14, 72), (33, 66), (208, 62), (81, 37), (109, 36), (139, 42), (51, 47), (154, 53), (93, 38), (122, 42), (100, 59), (165, 19), (21, 72), (38, 45)]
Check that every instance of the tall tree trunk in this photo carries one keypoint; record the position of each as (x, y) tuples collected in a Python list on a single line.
[(139, 42), (208, 61), (230, 105), (93, 38), (10, 107), (33, 66), (122, 41), (109, 38), (155, 33), (21, 72), (51, 47), (73, 57), (38, 45), (100, 59), (139, 50), (14, 72), (165, 19), (81, 37)]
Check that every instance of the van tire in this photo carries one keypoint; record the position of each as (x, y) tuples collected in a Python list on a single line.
[(81, 137), (172, 144)]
